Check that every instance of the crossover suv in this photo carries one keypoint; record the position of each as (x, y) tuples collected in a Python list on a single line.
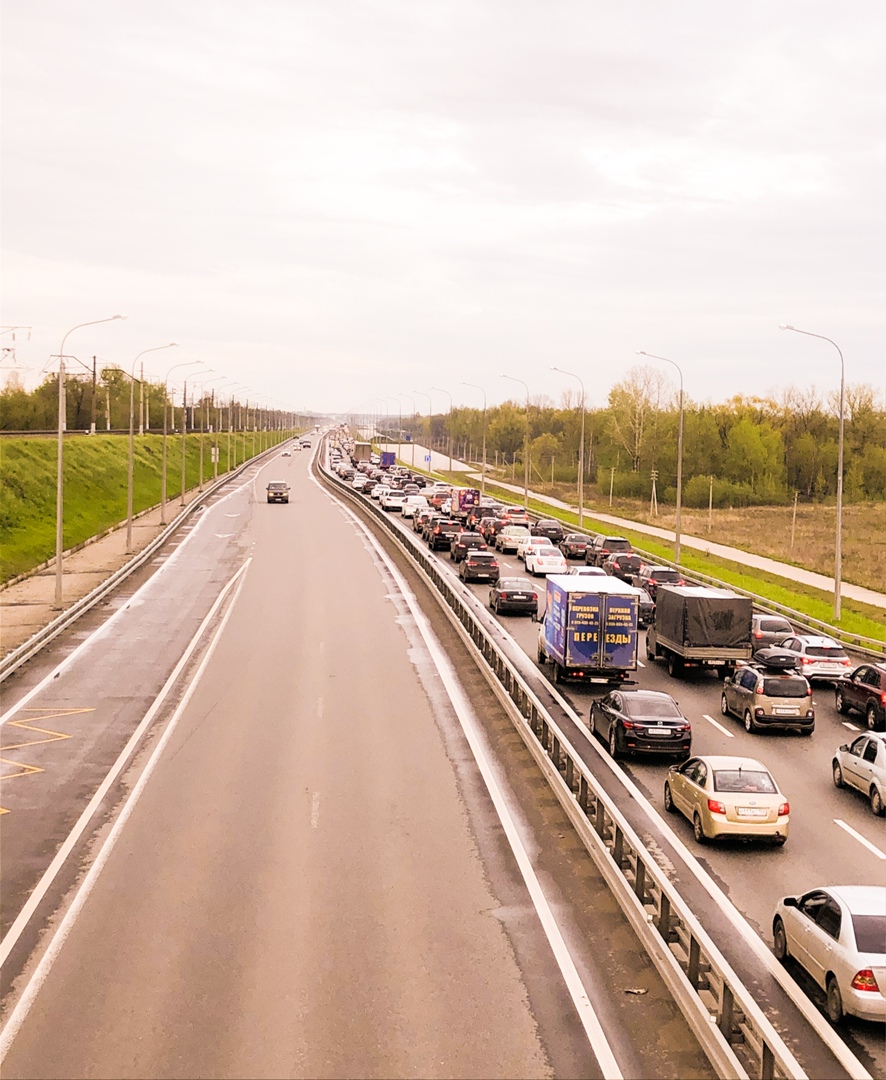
[(865, 691), (861, 764), (601, 547), (818, 657), (769, 695), (650, 577)]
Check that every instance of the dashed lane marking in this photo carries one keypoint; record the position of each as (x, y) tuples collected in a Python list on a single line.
[(861, 839), (718, 726)]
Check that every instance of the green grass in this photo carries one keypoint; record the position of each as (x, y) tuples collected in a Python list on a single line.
[(858, 619), (95, 487)]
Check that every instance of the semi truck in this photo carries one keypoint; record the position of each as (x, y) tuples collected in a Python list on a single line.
[(696, 627), (589, 629), (362, 452)]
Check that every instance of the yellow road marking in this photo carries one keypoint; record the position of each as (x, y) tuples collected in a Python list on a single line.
[(51, 736)]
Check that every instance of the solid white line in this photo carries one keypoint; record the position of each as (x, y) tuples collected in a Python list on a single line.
[(320, 707), (49, 875), (718, 726), (852, 727), (315, 809), (588, 1017), (41, 972), (857, 836)]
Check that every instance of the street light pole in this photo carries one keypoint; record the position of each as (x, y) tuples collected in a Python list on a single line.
[(678, 522), (483, 473), (60, 458), (446, 392), (430, 406), (525, 443), (838, 542), (188, 363), (414, 411), (131, 468), (581, 451)]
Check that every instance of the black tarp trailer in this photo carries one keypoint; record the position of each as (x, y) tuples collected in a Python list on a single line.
[(696, 626)]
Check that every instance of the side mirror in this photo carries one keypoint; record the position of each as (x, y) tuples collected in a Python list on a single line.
[(845, 746), (790, 901)]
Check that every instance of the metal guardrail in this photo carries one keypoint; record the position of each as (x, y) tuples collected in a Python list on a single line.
[(734, 1032), (28, 649)]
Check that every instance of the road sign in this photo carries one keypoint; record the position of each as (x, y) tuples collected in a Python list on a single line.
[(427, 459)]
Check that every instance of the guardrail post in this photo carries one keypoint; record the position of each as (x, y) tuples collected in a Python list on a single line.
[(555, 752), (570, 774), (618, 848), (664, 918), (583, 794), (640, 879), (767, 1063), (727, 1010)]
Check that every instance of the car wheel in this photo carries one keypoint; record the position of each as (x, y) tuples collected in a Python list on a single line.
[(779, 940), (558, 673), (613, 743), (871, 717), (877, 802), (724, 705), (835, 1001), (698, 829), (749, 723), (840, 703), (675, 667), (669, 799), (650, 655)]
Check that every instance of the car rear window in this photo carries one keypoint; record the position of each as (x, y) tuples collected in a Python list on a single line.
[(870, 933), (775, 626), (481, 556), (824, 650), (785, 688), (665, 575), (743, 780), (650, 707)]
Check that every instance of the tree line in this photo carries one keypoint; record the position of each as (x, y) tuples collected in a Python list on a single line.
[(740, 452)]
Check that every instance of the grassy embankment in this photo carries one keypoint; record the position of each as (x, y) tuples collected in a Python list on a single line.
[(95, 475), (864, 550)]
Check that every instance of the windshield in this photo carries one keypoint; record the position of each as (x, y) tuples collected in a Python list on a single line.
[(785, 688), (744, 780), (870, 933)]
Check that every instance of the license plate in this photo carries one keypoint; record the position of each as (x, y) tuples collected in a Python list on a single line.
[(658, 731), (752, 812), (786, 712), (482, 575), (516, 596)]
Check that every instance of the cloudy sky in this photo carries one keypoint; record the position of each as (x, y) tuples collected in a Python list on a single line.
[(334, 200)]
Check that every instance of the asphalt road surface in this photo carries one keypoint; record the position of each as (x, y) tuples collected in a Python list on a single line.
[(299, 870)]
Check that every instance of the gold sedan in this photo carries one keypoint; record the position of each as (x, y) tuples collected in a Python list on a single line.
[(727, 796)]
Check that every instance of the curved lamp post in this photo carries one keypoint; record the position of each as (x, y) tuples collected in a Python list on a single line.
[(525, 442), (838, 542), (129, 477), (673, 363), (483, 473), (430, 406), (440, 390), (60, 457), (414, 411), (581, 452)]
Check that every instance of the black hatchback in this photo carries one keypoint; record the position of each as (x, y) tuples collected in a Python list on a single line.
[(575, 545), (465, 542), (553, 530), (443, 532)]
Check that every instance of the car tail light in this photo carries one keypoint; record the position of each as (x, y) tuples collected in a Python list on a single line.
[(759, 689), (807, 660), (628, 724), (784, 809), (716, 807), (883, 698), (845, 661), (865, 980), (758, 633)]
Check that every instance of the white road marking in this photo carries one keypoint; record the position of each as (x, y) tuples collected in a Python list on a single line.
[(718, 726), (223, 536), (320, 707), (41, 972), (851, 726), (857, 836), (460, 703), (640, 663), (315, 809)]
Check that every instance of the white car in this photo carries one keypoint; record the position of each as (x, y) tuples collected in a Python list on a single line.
[(818, 657), (527, 542), (392, 500), (838, 934), (542, 560), (861, 764), (412, 504), (588, 571), (378, 491), (359, 482)]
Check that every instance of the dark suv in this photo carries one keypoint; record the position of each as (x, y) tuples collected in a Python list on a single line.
[(650, 577), (443, 532), (623, 566), (865, 690), (601, 547), (553, 530), (278, 491)]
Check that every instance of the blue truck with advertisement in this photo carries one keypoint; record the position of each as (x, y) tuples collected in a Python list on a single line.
[(589, 629)]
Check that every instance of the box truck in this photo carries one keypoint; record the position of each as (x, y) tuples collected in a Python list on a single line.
[(696, 626)]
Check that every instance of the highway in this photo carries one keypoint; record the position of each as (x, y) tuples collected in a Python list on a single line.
[(263, 817), (834, 836)]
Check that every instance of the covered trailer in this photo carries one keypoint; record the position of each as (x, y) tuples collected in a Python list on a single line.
[(697, 626)]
